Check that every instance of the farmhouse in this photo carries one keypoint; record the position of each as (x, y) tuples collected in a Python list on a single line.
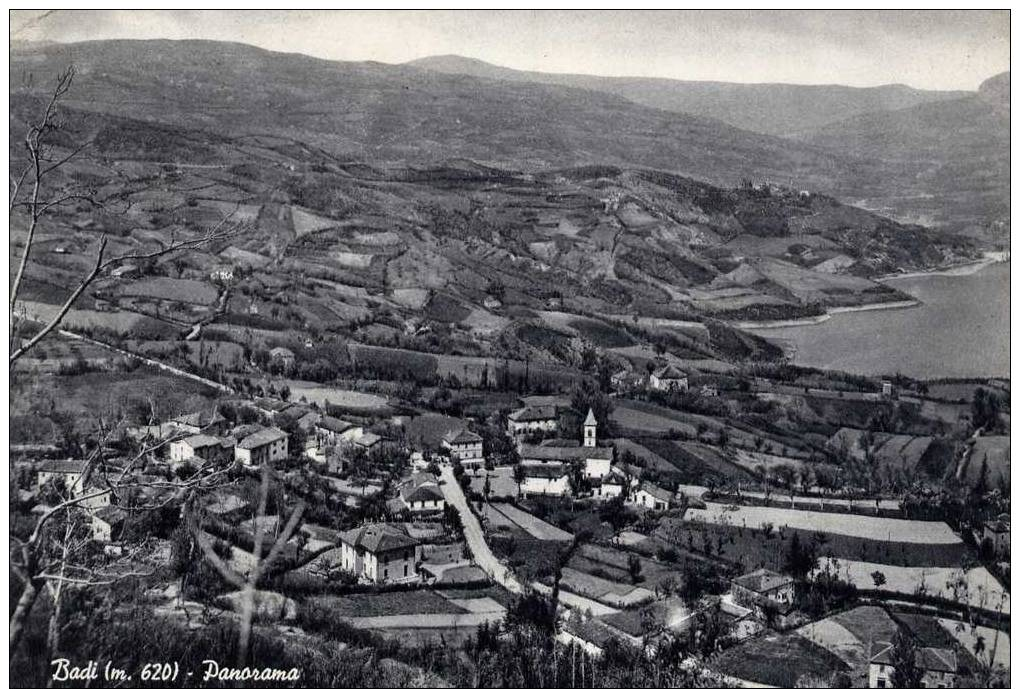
[(198, 422), (366, 441), (545, 479), (333, 431), (107, 524), (422, 494), (281, 356), (997, 531), (652, 496), (464, 446), (668, 378), (270, 407), (68, 472), (626, 380), (763, 589), (939, 666), (199, 447), (303, 417), (257, 445), (379, 553), (611, 487), (529, 420)]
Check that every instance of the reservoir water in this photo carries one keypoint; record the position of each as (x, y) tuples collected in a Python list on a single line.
[(960, 330)]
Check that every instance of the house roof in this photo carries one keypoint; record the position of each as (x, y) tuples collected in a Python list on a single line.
[(111, 514), (928, 658), (552, 470), (462, 437), (655, 491), (199, 419), (331, 423), (997, 526), (261, 437), (377, 538), (273, 405), (669, 372), (413, 493), (545, 453), (321, 533), (63, 466), (536, 413), (763, 580), (367, 440), (590, 419), (201, 440), (281, 352)]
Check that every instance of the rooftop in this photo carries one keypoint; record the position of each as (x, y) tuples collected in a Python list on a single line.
[(378, 538), (763, 580), (331, 423), (545, 453), (63, 466), (462, 437), (669, 372), (536, 413), (935, 659), (261, 437)]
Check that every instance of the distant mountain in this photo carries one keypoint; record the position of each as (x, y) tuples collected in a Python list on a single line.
[(776, 109), (960, 146), (403, 113)]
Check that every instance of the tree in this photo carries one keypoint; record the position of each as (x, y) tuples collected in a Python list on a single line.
[(878, 578), (905, 672), (46, 156), (519, 476), (634, 568)]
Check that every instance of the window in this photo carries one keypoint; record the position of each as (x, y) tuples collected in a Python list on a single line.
[(405, 569), (386, 574), (880, 682)]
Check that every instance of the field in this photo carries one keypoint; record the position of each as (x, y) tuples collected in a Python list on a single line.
[(751, 549), (350, 399), (389, 603), (877, 528), (190, 291), (529, 523), (982, 589), (779, 660), (611, 593)]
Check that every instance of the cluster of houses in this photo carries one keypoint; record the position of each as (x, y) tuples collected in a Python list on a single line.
[(547, 466)]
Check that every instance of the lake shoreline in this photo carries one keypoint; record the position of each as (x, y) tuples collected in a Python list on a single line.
[(816, 320), (955, 270)]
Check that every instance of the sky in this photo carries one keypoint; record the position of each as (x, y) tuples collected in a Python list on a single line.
[(924, 49)]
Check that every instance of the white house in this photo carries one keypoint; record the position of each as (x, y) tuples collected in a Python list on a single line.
[(610, 487), (997, 531), (332, 431), (465, 446), (598, 467), (529, 420), (198, 447), (651, 496), (107, 524), (379, 553), (260, 445), (550, 478), (422, 493), (939, 666), (67, 471), (667, 378), (762, 589)]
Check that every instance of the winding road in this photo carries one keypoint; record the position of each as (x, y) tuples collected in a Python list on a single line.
[(490, 564)]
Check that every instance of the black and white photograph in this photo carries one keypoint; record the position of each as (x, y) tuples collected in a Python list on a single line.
[(509, 348)]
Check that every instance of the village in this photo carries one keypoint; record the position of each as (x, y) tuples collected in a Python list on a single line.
[(424, 528)]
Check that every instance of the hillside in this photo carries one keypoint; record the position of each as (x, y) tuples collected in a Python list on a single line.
[(775, 109), (933, 157), (961, 147), (460, 259)]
